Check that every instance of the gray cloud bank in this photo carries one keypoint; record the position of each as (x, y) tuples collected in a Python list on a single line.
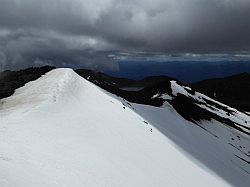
[(80, 31)]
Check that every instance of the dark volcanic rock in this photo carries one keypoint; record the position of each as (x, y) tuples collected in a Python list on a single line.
[(233, 91)]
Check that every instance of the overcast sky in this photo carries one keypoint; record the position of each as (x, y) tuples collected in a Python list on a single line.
[(65, 32)]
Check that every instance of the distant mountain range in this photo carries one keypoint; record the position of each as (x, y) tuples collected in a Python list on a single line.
[(185, 70)]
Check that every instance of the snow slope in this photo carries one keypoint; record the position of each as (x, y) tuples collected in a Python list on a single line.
[(221, 143), (215, 146), (62, 130)]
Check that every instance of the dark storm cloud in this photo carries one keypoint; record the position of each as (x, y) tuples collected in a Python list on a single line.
[(63, 32)]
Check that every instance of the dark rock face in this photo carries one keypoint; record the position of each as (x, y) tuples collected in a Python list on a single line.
[(233, 91), (11, 80)]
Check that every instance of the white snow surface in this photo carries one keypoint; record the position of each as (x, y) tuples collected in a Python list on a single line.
[(62, 130)]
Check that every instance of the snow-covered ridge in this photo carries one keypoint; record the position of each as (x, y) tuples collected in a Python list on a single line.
[(241, 120), (55, 85), (62, 130), (45, 89)]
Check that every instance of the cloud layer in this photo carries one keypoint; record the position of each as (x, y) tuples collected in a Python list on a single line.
[(78, 31)]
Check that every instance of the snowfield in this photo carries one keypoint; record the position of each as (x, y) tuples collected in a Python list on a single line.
[(62, 130)]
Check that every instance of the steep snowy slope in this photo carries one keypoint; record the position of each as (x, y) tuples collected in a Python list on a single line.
[(62, 130), (213, 133), (222, 149)]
